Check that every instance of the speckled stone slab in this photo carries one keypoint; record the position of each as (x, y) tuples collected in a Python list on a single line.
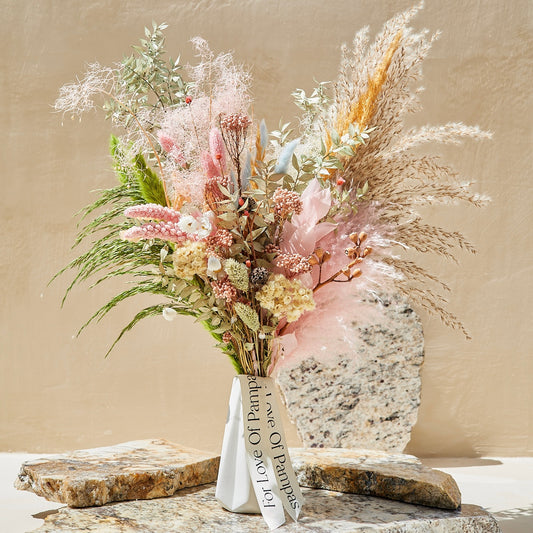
[(367, 399), (196, 511), (374, 473), (140, 469)]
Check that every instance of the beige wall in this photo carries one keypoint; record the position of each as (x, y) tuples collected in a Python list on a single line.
[(165, 379)]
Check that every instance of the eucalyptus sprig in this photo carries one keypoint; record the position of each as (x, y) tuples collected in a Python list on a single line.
[(147, 79)]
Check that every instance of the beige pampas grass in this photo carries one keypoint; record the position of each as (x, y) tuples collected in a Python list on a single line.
[(376, 89)]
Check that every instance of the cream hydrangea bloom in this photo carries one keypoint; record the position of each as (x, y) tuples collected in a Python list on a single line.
[(285, 298), (190, 259)]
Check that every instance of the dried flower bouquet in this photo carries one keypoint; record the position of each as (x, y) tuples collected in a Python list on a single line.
[(247, 231), (267, 238)]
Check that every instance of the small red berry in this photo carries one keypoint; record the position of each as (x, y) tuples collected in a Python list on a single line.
[(218, 157), (248, 263), (188, 99), (241, 201), (341, 181), (246, 214)]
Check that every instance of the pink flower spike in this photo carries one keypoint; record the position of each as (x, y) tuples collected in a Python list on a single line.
[(152, 212), (210, 169), (166, 231), (172, 149), (166, 142), (218, 150)]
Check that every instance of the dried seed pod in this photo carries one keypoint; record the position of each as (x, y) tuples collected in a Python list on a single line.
[(326, 257), (367, 251), (356, 273), (362, 236), (259, 276), (351, 252), (353, 237)]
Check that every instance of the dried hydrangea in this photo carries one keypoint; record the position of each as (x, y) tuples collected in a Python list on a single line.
[(285, 298), (190, 259)]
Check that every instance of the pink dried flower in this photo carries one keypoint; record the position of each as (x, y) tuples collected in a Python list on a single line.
[(152, 212), (224, 290), (301, 234), (227, 337), (213, 183), (218, 151), (286, 202), (221, 239), (166, 231), (235, 122), (294, 264), (211, 170), (168, 144)]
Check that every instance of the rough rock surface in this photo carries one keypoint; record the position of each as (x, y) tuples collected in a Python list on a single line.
[(155, 468), (141, 469), (368, 399), (374, 473), (195, 510)]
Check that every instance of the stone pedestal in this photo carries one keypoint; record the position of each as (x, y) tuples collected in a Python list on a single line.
[(133, 470), (372, 473), (368, 399), (147, 469), (195, 510), (144, 470)]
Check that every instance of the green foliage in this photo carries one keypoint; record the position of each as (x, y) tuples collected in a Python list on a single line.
[(281, 136), (142, 287), (150, 185), (227, 349), (121, 170), (136, 171), (110, 256), (146, 79), (313, 105)]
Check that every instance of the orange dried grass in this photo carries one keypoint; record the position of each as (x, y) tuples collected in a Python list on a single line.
[(362, 111)]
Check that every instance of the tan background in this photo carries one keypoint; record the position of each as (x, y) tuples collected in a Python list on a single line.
[(165, 379)]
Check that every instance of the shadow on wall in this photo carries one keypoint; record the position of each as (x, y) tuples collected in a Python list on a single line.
[(438, 432), (449, 441)]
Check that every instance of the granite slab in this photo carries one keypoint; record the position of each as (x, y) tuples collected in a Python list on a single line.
[(142, 469), (394, 476), (196, 510), (366, 397), (157, 468)]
